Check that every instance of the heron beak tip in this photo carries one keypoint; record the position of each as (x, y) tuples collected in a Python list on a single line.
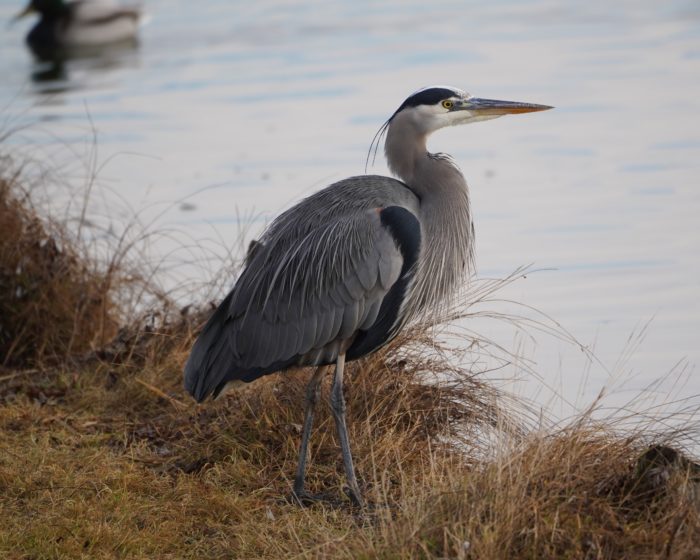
[(530, 108)]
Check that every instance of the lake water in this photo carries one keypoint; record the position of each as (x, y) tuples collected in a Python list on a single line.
[(228, 112)]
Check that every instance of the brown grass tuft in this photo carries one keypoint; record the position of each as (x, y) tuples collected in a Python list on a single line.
[(53, 301), (579, 493)]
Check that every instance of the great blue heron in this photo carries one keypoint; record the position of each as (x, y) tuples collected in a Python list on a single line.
[(338, 275)]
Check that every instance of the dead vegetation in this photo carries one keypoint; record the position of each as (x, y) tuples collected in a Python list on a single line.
[(102, 455), (53, 302)]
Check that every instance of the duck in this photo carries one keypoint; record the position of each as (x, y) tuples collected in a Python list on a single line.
[(80, 24)]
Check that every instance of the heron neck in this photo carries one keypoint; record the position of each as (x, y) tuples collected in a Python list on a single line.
[(430, 176), (447, 254), (445, 216), (408, 157), (404, 149)]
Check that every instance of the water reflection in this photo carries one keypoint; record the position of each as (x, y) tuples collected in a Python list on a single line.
[(97, 31), (53, 67), (50, 70)]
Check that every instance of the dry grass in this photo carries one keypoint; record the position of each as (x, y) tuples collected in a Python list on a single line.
[(105, 456), (53, 303)]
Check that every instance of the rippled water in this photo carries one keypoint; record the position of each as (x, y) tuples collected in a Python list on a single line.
[(234, 110)]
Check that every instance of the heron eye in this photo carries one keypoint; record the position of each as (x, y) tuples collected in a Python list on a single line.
[(447, 104)]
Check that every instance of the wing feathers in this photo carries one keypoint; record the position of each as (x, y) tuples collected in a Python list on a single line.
[(297, 301)]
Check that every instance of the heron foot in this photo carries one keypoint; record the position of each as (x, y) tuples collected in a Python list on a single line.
[(354, 495), (305, 499)]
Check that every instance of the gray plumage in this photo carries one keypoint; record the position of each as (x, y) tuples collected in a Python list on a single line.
[(319, 274), (339, 274)]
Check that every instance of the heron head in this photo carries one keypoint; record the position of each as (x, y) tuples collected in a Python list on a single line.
[(432, 108)]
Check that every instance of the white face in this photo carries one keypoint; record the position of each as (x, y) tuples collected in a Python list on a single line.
[(447, 112)]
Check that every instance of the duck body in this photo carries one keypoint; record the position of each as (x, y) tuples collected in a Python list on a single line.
[(81, 23)]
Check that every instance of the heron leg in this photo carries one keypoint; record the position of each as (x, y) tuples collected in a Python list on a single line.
[(338, 409), (313, 390)]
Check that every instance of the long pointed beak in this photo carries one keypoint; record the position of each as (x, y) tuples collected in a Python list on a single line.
[(496, 108), (27, 11)]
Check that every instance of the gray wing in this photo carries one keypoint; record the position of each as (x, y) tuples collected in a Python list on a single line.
[(302, 297), (318, 290)]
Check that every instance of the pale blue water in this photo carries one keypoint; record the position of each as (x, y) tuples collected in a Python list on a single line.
[(240, 108)]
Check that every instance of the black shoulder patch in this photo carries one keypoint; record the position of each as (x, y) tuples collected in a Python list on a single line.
[(405, 229)]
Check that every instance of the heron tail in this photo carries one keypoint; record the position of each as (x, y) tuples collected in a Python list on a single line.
[(211, 358)]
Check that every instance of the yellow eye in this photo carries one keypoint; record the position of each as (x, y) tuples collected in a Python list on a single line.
[(447, 104)]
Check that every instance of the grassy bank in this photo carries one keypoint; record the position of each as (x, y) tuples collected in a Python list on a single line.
[(102, 455)]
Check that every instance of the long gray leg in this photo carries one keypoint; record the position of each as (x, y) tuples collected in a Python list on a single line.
[(313, 390), (338, 409)]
